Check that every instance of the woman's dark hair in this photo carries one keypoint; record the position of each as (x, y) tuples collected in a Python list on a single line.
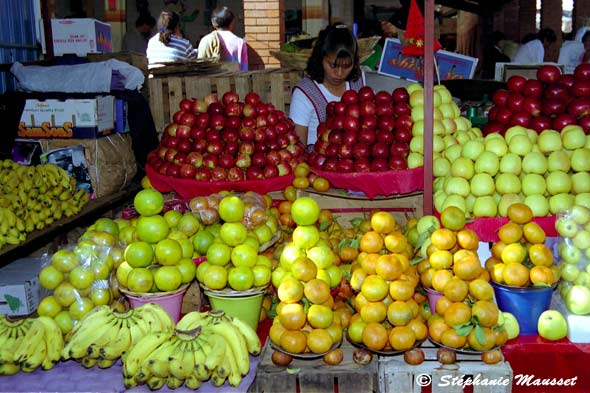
[(586, 36), (222, 17), (547, 35), (167, 23), (337, 40)]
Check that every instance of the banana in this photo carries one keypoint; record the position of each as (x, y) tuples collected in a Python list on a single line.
[(191, 320), (192, 382), (157, 318), (144, 373), (137, 328), (216, 379), (119, 345), (95, 317), (105, 363), (35, 359), (234, 340), (34, 339), (107, 336), (182, 360), (230, 367), (218, 351), (9, 368), (155, 383), (78, 345), (53, 340), (141, 350), (88, 362), (158, 359), (129, 382), (173, 382), (201, 372), (252, 340)]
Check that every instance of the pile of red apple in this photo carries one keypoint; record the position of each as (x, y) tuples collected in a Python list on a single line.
[(365, 132), (552, 101), (227, 140)]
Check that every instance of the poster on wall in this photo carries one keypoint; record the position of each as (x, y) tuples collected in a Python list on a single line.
[(450, 65)]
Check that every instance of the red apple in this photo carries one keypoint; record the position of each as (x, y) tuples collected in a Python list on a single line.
[(188, 119), (361, 150), (349, 97), (210, 160), (553, 107), (198, 133), (400, 94), (386, 123), (173, 170), (258, 159), (384, 109), (187, 171), (504, 115), (233, 122), (493, 127), (362, 165), (516, 83), (176, 116), (195, 159), (200, 146), (582, 72), (243, 160), (567, 80), (345, 165), (218, 174), (217, 121), (515, 101), (340, 108), (398, 163), (332, 150), (367, 136), (351, 124), (379, 165), (235, 174), (540, 124), (369, 122), (330, 164), (532, 106), (532, 88), (213, 136), (202, 120), (345, 151), (404, 121), (203, 174), (226, 161), (520, 118), (548, 73), (184, 146), (581, 88), (556, 91), (229, 97), (270, 171), (183, 132), (366, 93), (170, 155), (367, 108), (385, 136), (171, 129), (380, 150), (161, 152), (402, 108), (401, 149), (215, 108), (199, 106), (353, 110), (284, 169), (500, 97), (383, 97), (579, 107), (403, 134), (349, 137), (562, 120), (584, 122), (163, 168), (186, 105)]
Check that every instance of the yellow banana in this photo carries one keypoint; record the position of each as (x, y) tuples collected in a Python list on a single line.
[(140, 351), (217, 352), (53, 340), (103, 339), (252, 340), (216, 379), (79, 343), (88, 362), (192, 382), (157, 318), (120, 344), (36, 358), (155, 383), (235, 341), (173, 382), (182, 360), (191, 320), (158, 359), (34, 339), (129, 382), (9, 368), (105, 363)]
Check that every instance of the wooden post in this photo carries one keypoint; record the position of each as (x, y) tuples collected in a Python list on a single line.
[(428, 102)]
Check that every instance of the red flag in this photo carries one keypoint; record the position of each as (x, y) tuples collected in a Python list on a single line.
[(415, 33)]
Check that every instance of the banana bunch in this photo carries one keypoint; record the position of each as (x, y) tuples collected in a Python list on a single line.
[(103, 335), (28, 344), (32, 197), (208, 346)]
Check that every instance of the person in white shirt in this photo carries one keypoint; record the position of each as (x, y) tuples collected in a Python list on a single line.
[(332, 68), (533, 51), (222, 43), (135, 40), (572, 50), (168, 45)]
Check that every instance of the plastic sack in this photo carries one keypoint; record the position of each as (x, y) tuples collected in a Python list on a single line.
[(95, 77)]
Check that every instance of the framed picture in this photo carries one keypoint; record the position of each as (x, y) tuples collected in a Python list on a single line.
[(450, 65), (72, 160)]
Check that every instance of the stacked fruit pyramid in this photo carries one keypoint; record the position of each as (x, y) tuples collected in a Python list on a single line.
[(520, 258), (305, 321), (465, 316), (32, 197), (388, 310)]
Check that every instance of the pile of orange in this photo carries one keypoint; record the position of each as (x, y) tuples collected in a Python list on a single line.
[(466, 317), (305, 178), (389, 313), (520, 258)]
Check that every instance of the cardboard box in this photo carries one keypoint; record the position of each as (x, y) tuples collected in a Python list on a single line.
[(72, 118), (80, 36), (19, 286)]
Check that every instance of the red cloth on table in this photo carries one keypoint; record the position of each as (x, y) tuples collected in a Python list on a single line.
[(533, 355)]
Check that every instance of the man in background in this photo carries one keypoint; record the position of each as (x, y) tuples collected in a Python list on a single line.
[(135, 40)]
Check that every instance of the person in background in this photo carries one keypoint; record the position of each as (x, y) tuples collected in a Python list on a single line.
[(492, 54), (585, 57), (533, 51), (168, 45), (222, 43), (332, 68), (572, 50), (135, 40)]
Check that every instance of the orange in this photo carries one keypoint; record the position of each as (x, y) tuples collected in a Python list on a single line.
[(369, 262), (540, 255), (301, 183), (436, 328), (348, 254), (356, 278), (533, 233), (467, 268), (356, 329), (293, 341), (304, 269), (426, 278), (292, 316), (481, 289), (490, 262), (285, 207), (423, 266), (419, 327), (443, 239), (320, 316), (497, 273), (395, 242), (441, 259), (450, 338), (442, 305), (371, 242), (388, 267), (319, 341), (290, 290), (486, 313), (399, 313), (374, 312), (375, 336), (344, 315), (457, 313), (515, 274), (321, 184), (497, 249), (463, 253), (440, 279), (359, 301), (510, 232), (316, 291), (374, 288), (501, 335), (401, 290), (402, 338), (542, 275), (467, 239), (276, 331), (414, 307), (514, 253), (519, 213), (456, 290), (382, 222), (492, 357), (452, 218)]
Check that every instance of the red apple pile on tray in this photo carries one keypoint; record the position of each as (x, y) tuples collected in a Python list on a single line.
[(552, 101), (228, 140), (365, 132)]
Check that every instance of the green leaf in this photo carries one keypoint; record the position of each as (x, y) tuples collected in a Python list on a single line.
[(355, 222), (324, 225), (306, 305), (464, 329), (355, 243), (480, 336), (416, 260)]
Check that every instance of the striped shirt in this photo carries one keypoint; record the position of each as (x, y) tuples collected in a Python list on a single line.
[(177, 49)]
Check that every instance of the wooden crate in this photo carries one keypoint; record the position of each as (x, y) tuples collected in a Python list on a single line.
[(273, 86), (395, 375), (346, 206), (314, 375)]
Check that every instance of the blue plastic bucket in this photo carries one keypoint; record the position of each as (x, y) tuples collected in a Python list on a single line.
[(526, 304)]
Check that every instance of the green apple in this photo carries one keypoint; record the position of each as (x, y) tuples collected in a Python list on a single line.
[(463, 124), (583, 199), (439, 199), (535, 162), (508, 183), (561, 202), (441, 167), (533, 183), (580, 160), (573, 137), (427, 223), (417, 143), (453, 152), (569, 253), (580, 182), (487, 162), (520, 144), (462, 135), (472, 149), (482, 184), (485, 206), (583, 279), (513, 131), (566, 227), (415, 160), (577, 300), (505, 201), (581, 239), (558, 182), (569, 272), (549, 140), (455, 200), (564, 287), (448, 122), (580, 214), (469, 203), (538, 204), (552, 325), (558, 160), (511, 163), (511, 325), (463, 167), (438, 184), (497, 146), (457, 185)]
